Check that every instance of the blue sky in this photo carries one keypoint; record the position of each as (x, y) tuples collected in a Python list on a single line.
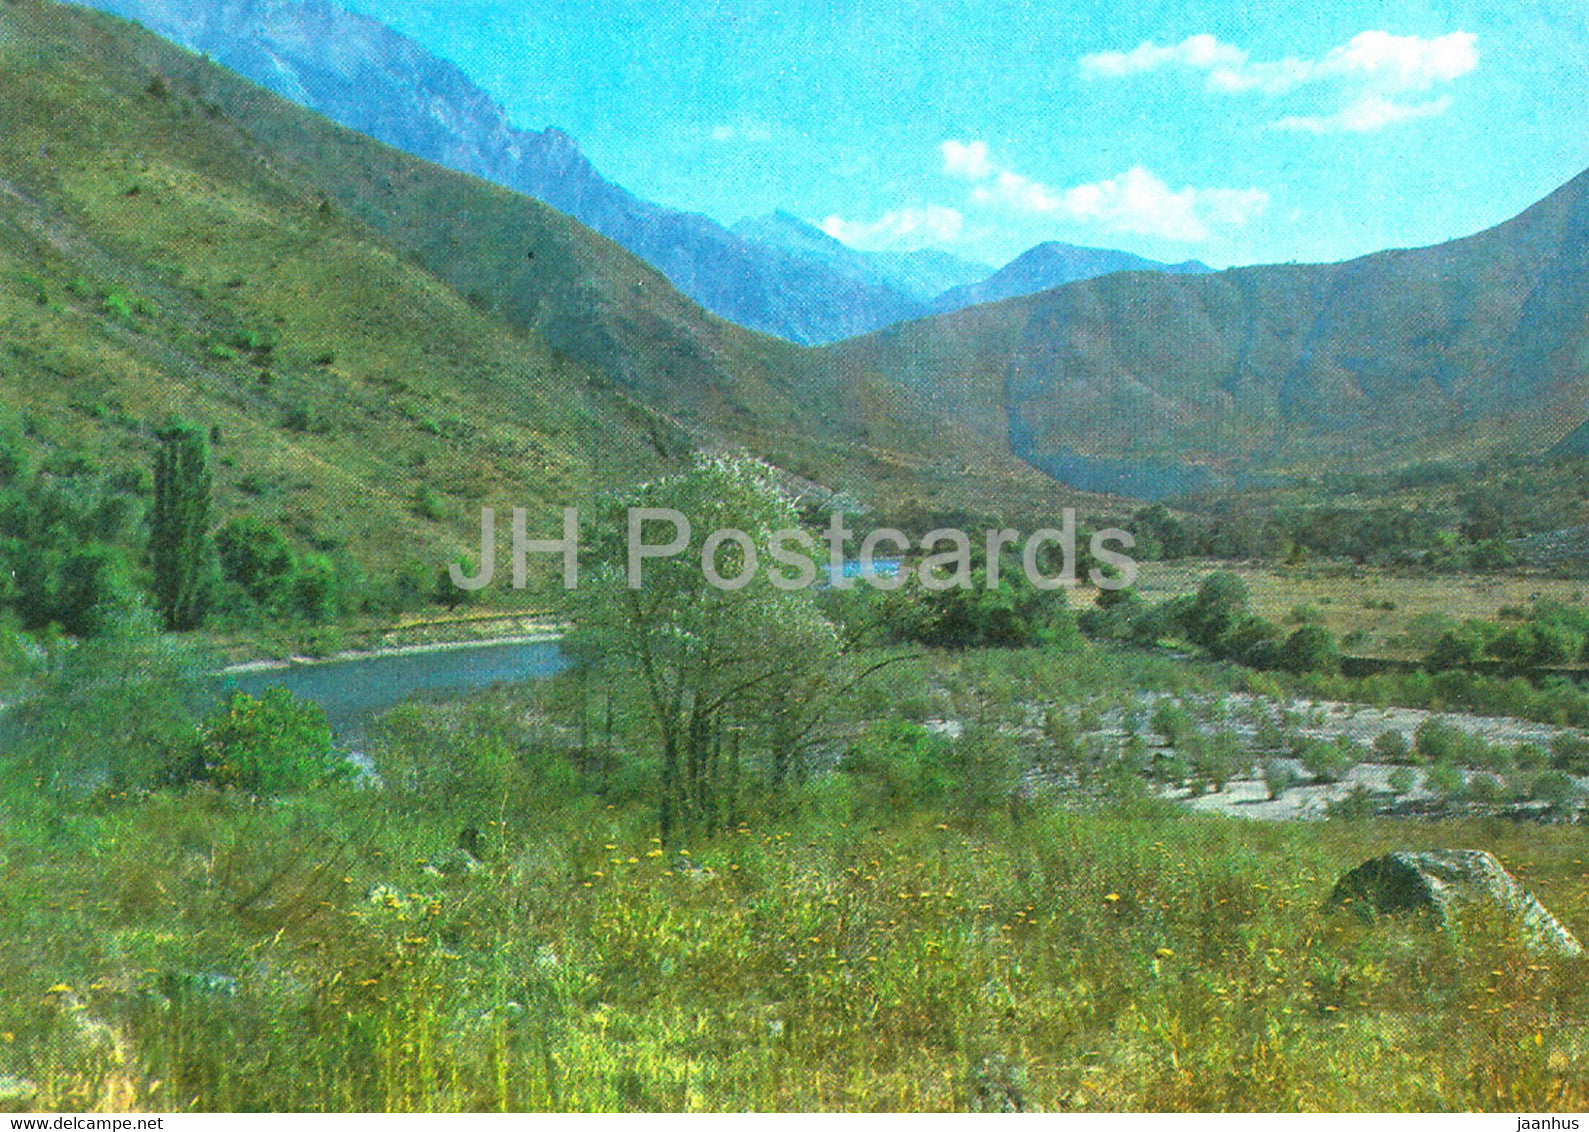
[(1230, 131)]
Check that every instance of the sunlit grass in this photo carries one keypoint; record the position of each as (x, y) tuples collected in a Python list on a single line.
[(1093, 961)]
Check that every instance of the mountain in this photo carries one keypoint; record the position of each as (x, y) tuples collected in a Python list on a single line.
[(1151, 383), (155, 259), (377, 340), (1053, 265), (919, 275), (372, 79)]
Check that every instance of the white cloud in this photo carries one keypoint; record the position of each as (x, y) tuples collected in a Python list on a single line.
[(1136, 202), (1364, 116), (1199, 51), (898, 229), (743, 130), (966, 159), (1367, 73)]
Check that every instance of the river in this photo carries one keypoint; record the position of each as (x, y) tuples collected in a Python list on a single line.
[(353, 690)]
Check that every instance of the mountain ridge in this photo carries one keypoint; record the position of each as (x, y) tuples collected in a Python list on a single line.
[(1153, 384)]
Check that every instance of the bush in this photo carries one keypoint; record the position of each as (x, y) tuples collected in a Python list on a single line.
[(272, 745), (1278, 777), (1218, 759), (1570, 753), (1559, 790), (1446, 781), (1326, 762), (1392, 747), (1400, 781), (113, 717), (1311, 648), (1436, 741)]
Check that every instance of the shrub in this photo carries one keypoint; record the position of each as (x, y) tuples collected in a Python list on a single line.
[(1218, 759), (272, 745), (428, 504), (1446, 781), (1312, 648), (1559, 790), (1326, 762), (1278, 777), (1392, 747), (316, 589), (1170, 722), (1570, 753), (1436, 741), (1400, 781)]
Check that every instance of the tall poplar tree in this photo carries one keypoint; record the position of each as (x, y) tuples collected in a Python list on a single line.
[(179, 541)]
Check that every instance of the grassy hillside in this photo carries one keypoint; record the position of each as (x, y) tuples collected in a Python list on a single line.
[(155, 259), (364, 328), (380, 346), (1133, 379)]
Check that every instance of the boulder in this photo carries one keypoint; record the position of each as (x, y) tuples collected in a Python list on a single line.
[(1440, 884)]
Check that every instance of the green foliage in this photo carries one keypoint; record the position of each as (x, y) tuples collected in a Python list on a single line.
[(1311, 648), (428, 504), (1278, 777), (1326, 761), (1570, 752), (179, 536), (708, 659), (255, 556), (469, 764), (112, 715), (1392, 747), (272, 745)]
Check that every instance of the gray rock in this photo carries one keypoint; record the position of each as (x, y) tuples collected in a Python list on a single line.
[(16, 1093), (454, 863), (1440, 884)]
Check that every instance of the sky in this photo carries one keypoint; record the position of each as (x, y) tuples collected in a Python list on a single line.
[(1231, 131)]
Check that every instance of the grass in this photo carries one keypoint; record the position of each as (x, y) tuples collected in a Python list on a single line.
[(1353, 600), (202, 952)]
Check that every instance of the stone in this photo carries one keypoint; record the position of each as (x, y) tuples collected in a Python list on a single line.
[(1441, 883), (454, 863)]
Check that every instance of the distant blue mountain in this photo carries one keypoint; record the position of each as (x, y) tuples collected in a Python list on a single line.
[(1053, 265)]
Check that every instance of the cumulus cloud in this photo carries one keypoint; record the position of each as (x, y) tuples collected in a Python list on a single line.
[(1370, 74), (898, 229), (1136, 202)]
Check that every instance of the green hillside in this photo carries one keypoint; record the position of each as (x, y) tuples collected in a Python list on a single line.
[(380, 346), (155, 259)]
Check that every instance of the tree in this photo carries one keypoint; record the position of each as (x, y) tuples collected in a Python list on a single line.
[(257, 557), (179, 538), (712, 662)]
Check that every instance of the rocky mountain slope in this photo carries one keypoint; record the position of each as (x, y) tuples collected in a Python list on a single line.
[(1151, 383)]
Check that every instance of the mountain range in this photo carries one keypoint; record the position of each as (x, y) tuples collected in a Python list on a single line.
[(777, 274), (1150, 383), (357, 320)]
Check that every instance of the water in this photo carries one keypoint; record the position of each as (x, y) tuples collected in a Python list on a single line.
[(354, 691)]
